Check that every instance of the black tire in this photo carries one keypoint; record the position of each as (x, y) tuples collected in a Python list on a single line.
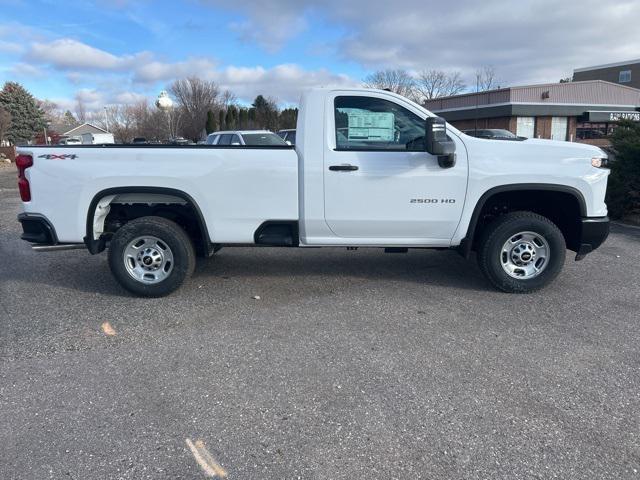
[(179, 243), (498, 232)]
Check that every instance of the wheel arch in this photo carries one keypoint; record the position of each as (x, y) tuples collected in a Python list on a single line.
[(468, 241), (98, 245)]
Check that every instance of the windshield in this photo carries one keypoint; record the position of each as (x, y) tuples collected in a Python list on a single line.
[(262, 139)]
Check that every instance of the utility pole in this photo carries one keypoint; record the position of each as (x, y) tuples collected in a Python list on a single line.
[(477, 100)]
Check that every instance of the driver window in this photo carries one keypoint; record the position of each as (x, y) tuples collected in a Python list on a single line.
[(367, 123)]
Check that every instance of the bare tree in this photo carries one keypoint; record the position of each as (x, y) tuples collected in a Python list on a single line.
[(437, 83), (5, 124), (398, 81), (486, 79), (194, 98), (140, 119), (228, 98), (52, 113), (81, 111), (119, 120)]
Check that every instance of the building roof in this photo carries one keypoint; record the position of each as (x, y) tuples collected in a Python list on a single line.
[(84, 128), (591, 93), (607, 65)]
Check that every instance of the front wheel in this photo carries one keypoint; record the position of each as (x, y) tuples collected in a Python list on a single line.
[(521, 252), (151, 256)]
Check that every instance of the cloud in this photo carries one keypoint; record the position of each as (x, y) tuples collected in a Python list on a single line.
[(269, 24), (69, 54), (10, 47), (527, 41), (154, 71), (284, 82), (84, 64), (26, 70)]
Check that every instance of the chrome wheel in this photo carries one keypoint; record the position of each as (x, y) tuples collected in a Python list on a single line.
[(525, 255), (148, 259)]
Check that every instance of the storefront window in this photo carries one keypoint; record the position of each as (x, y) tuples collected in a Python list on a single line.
[(590, 131)]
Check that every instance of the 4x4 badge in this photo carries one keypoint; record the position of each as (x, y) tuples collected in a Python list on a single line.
[(63, 156)]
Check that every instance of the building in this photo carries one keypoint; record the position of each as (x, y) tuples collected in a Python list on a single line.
[(575, 111), (623, 73), (82, 129)]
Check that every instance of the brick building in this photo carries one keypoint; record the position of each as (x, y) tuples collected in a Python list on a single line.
[(575, 111)]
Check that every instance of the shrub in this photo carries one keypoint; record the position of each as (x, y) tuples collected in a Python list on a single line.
[(623, 192)]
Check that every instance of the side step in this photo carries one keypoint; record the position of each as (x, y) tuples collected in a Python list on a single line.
[(59, 247), (396, 250)]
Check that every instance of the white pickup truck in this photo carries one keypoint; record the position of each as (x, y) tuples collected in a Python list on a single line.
[(369, 169)]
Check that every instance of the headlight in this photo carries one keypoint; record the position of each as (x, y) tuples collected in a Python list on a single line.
[(600, 162)]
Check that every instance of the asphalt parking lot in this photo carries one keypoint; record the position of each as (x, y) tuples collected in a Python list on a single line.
[(351, 364)]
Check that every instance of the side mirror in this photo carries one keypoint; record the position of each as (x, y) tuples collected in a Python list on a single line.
[(437, 143)]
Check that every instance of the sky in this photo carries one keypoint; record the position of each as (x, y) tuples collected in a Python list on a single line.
[(119, 51)]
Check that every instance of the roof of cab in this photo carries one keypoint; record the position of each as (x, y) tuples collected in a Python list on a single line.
[(241, 132)]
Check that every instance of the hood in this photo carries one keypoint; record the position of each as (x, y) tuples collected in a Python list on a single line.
[(584, 147)]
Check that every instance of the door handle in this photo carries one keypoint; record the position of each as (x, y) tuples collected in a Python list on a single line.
[(343, 168)]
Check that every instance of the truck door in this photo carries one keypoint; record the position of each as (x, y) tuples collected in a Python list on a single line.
[(379, 182)]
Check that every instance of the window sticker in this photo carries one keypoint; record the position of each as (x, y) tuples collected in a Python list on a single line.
[(371, 126)]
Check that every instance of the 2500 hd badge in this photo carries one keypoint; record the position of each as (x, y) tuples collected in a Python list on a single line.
[(432, 200)]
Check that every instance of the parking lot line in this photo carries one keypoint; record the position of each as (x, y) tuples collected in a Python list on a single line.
[(209, 466), (108, 329)]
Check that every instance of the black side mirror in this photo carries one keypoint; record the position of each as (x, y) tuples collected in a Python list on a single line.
[(437, 142)]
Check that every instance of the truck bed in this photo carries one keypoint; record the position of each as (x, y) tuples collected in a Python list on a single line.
[(237, 188)]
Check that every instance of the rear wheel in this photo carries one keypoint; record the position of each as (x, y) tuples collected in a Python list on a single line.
[(521, 252), (151, 256)]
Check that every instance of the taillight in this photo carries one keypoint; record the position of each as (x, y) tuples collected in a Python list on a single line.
[(23, 162)]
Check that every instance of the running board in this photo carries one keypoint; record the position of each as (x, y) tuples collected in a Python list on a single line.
[(58, 248)]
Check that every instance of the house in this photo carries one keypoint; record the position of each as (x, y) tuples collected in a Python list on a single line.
[(82, 129)]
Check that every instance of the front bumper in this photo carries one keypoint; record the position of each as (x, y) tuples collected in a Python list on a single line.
[(593, 232), (38, 229)]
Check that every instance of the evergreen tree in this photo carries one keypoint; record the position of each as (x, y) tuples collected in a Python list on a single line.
[(288, 118), (27, 117), (244, 118), (228, 119), (68, 119), (234, 116), (5, 124), (210, 126), (266, 112), (221, 119)]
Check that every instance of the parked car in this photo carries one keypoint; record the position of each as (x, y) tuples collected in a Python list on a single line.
[(375, 170), (288, 135), (180, 141), (493, 134), (251, 138), (71, 141), (139, 141), (97, 138)]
